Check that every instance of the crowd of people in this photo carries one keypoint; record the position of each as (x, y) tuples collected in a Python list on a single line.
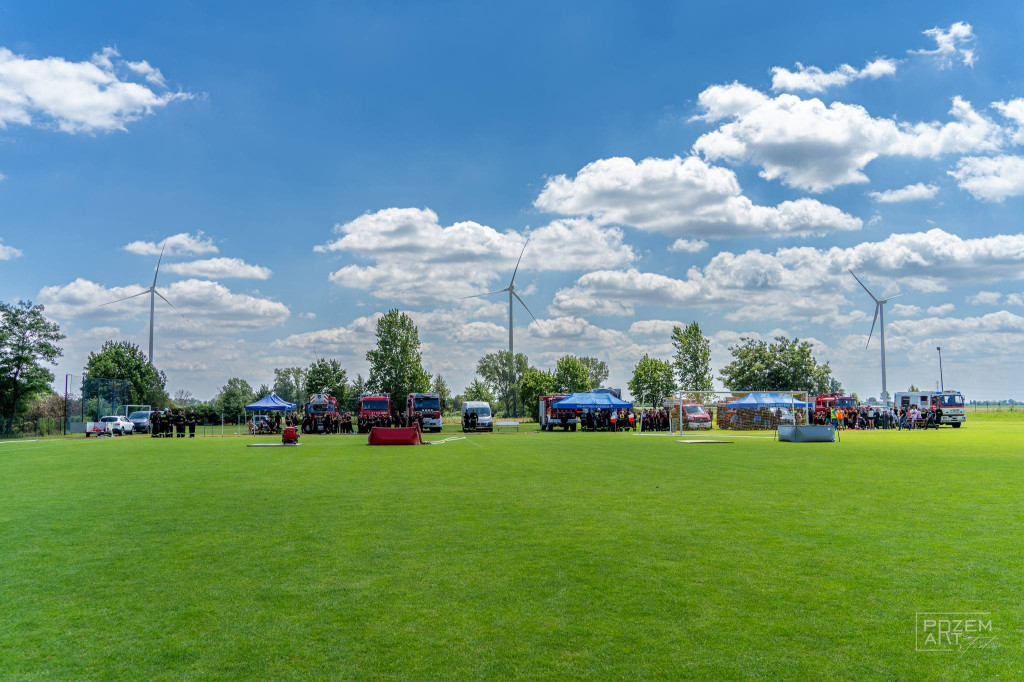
[(871, 417), (624, 420), (170, 424)]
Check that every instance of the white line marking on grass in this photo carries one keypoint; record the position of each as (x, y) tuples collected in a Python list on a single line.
[(9, 442)]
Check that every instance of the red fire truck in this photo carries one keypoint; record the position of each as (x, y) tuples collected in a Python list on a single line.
[(424, 408), (823, 404), (373, 406), (550, 417)]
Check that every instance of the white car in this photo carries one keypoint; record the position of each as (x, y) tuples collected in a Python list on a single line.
[(118, 425)]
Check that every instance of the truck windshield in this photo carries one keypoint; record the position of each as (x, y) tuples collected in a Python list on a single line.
[(695, 409), (952, 401), (432, 404), (379, 404), (846, 403)]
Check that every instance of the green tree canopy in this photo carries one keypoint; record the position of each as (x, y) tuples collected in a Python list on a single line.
[(125, 360), (356, 390), (27, 339), (652, 382), (326, 376), (440, 387), (597, 371), (571, 375), (532, 386), (290, 384), (692, 362), (233, 397), (477, 390), (396, 364), (785, 365), (502, 375)]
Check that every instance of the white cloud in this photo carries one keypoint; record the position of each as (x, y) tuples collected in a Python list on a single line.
[(223, 268), (308, 316), (211, 307), (905, 310), (181, 244), (147, 71), (353, 338), (809, 145), (944, 309), (813, 79), (417, 260), (679, 197), (991, 178), (1000, 322), (688, 246), (1015, 299), (764, 286), (8, 252), (950, 43), (652, 328), (1013, 110), (985, 298), (77, 96), (915, 192)]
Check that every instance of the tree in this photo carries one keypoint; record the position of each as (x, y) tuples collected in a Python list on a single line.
[(914, 389), (326, 376), (502, 375), (290, 384), (652, 382), (478, 390), (233, 397), (27, 339), (692, 362), (532, 386), (184, 398), (356, 390), (597, 371), (396, 365), (571, 375), (125, 360), (784, 365), (440, 387)]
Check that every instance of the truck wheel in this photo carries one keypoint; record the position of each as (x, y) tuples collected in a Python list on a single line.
[(573, 428), (956, 425)]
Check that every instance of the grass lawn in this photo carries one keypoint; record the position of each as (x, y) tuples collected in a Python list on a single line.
[(534, 555)]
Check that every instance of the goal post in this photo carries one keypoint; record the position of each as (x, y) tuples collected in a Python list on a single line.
[(699, 410)]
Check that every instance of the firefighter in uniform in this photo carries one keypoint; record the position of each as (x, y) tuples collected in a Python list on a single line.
[(191, 423), (179, 424), (154, 424)]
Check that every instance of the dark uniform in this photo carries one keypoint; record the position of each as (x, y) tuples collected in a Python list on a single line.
[(179, 424), (154, 425), (191, 424)]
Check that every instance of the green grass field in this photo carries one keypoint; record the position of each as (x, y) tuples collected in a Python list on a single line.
[(533, 555)]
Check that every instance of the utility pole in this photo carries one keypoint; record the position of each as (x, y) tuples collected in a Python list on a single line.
[(941, 381)]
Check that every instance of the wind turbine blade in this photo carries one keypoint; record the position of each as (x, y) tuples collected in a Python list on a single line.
[(527, 307), (489, 293), (877, 306), (864, 287), (158, 260), (172, 305), (886, 300), (517, 266), (125, 298)]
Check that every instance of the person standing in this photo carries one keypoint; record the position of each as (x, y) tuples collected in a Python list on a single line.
[(154, 424), (191, 423)]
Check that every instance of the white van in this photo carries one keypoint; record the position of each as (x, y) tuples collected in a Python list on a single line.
[(482, 410)]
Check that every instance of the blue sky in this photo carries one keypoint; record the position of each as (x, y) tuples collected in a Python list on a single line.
[(663, 170)]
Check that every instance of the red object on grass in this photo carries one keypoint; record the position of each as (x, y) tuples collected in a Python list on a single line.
[(290, 435), (407, 435)]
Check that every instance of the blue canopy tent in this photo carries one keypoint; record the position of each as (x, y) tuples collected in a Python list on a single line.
[(270, 403), (591, 401), (768, 400)]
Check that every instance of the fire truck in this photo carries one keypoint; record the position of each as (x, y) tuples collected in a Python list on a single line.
[(372, 406), (824, 404), (424, 408), (949, 403), (550, 417), (317, 407)]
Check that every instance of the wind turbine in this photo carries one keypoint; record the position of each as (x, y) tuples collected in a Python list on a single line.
[(879, 313), (153, 293), (511, 289)]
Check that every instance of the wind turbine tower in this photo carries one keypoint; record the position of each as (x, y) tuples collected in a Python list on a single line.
[(879, 317), (153, 293)]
